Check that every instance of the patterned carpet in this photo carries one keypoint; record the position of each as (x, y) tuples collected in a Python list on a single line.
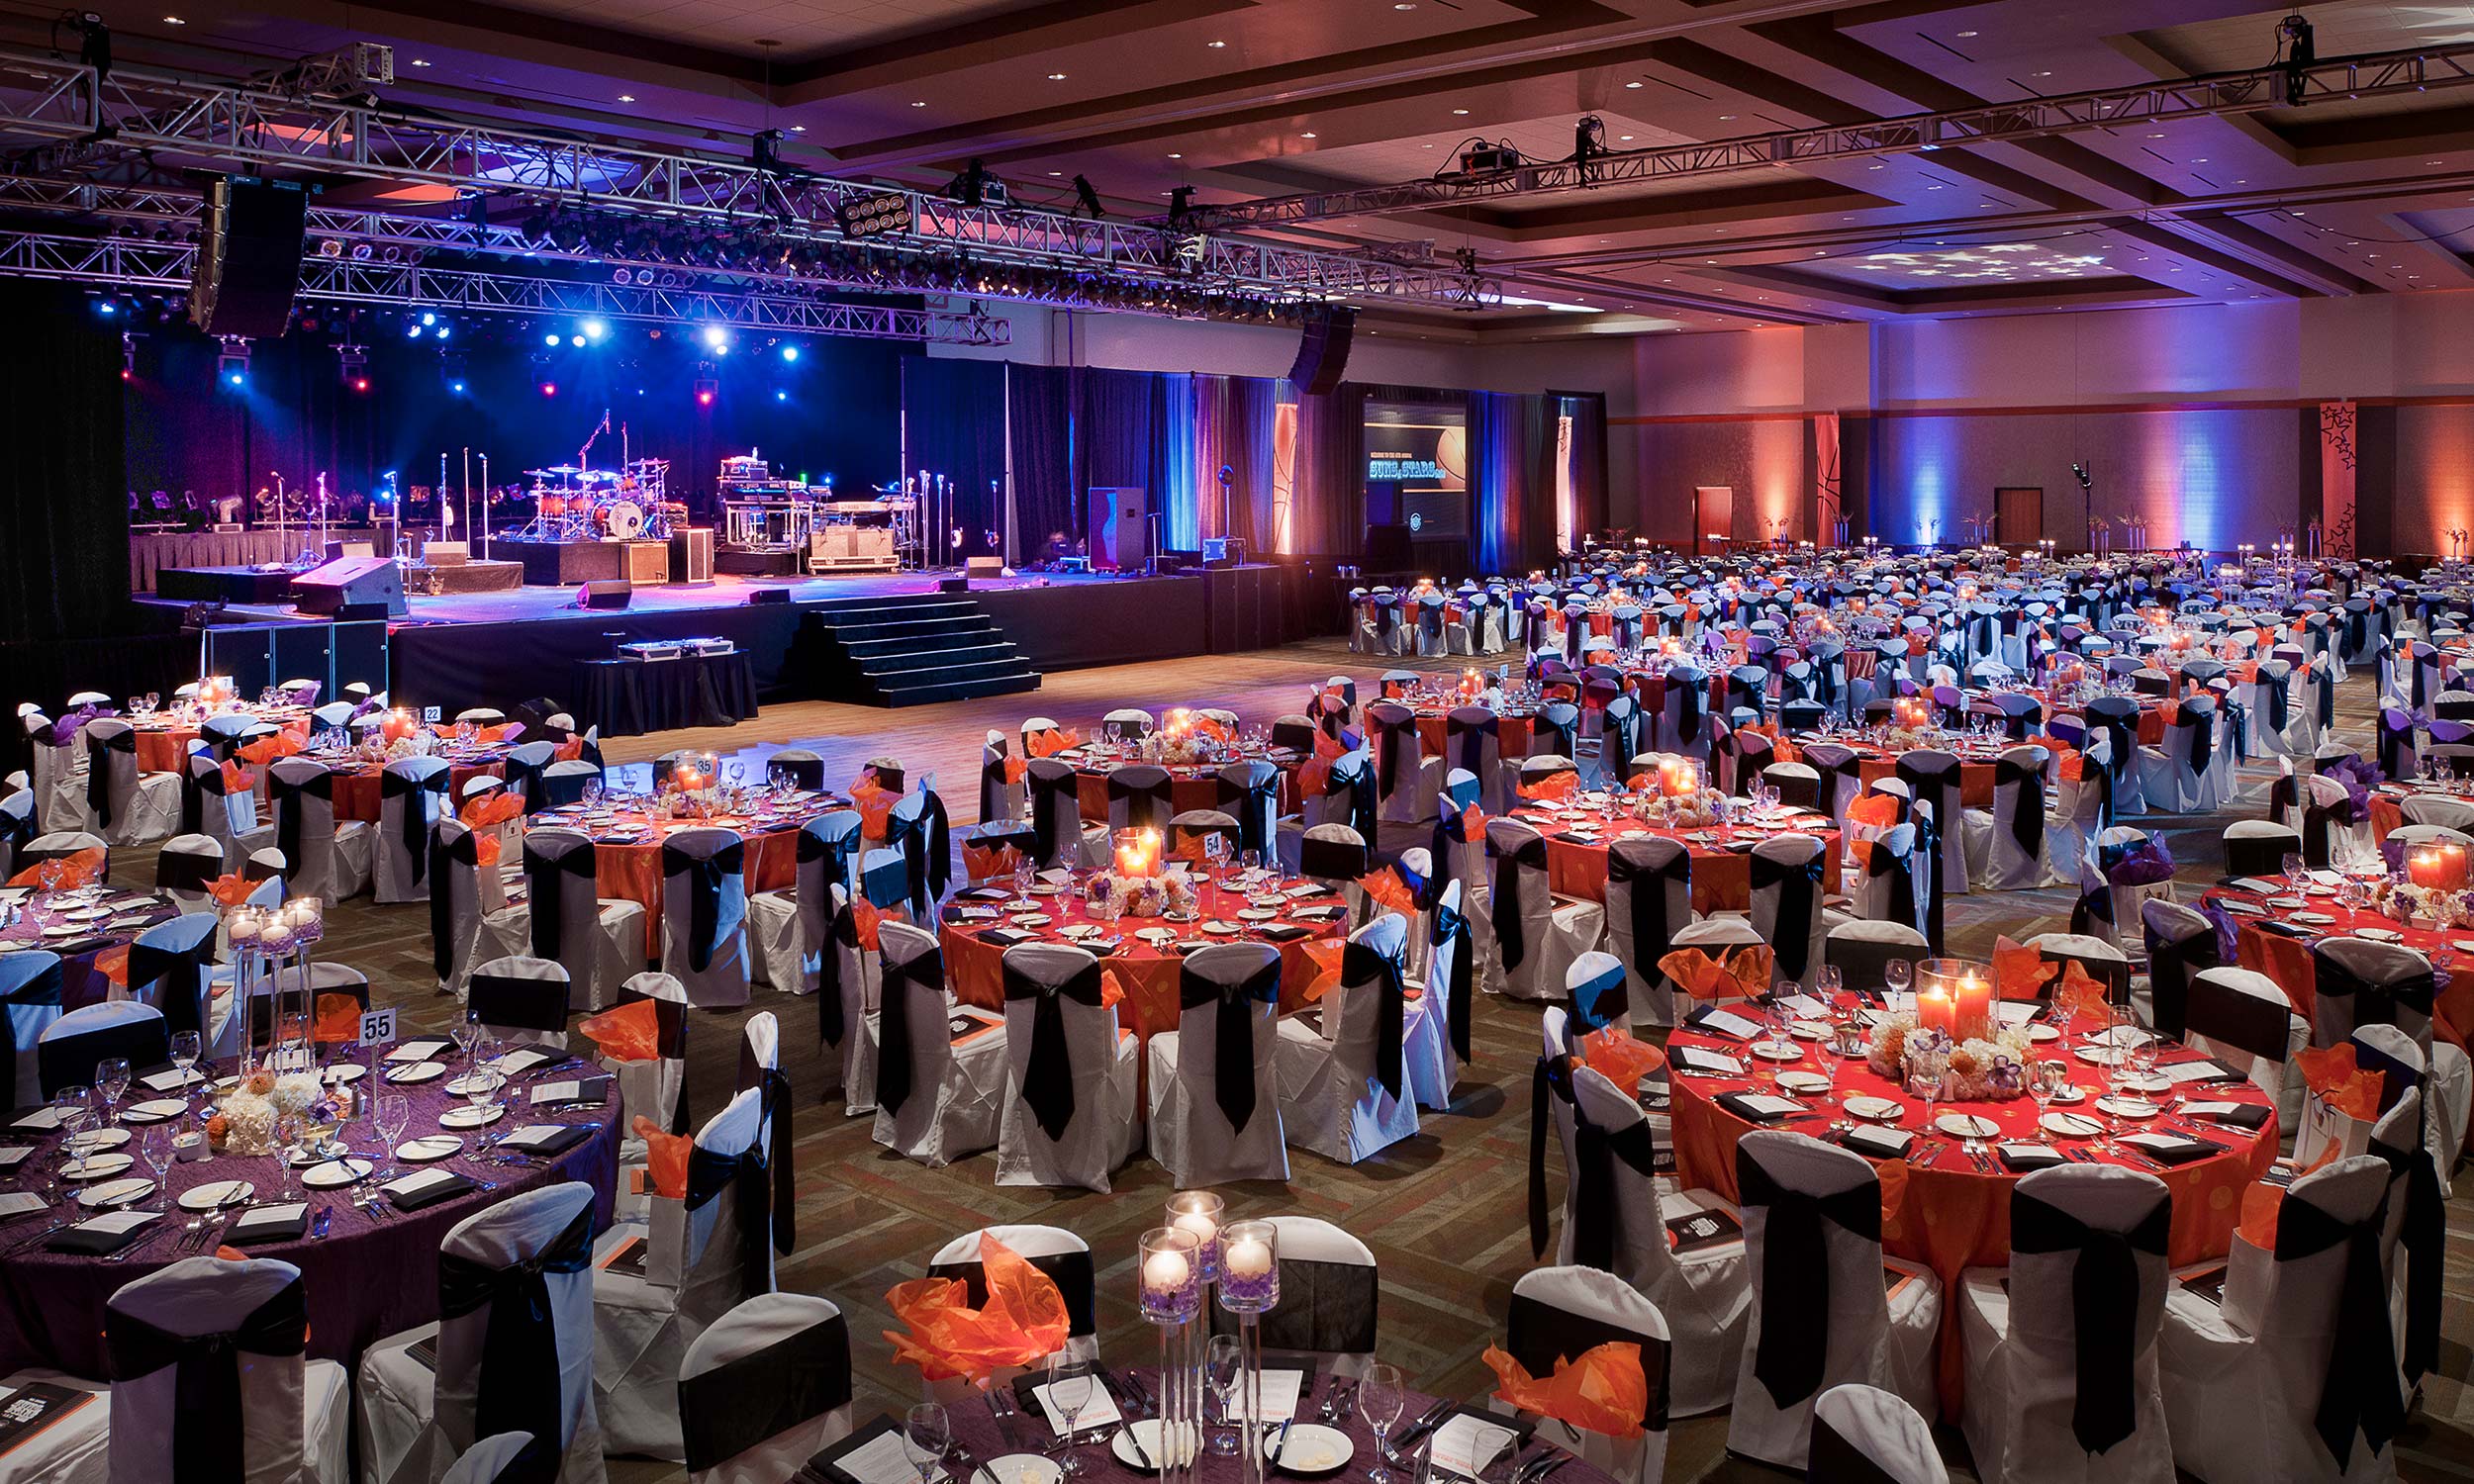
[(1445, 1213)]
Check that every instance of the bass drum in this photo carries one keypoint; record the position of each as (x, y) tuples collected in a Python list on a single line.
[(622, 520)]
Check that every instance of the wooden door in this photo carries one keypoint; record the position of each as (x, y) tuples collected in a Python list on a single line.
[(1713, 515), (2018, 516)]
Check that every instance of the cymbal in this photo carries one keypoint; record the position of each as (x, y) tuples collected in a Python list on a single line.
[(558, 469)]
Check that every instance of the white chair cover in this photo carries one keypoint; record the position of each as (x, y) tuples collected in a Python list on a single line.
[(656, 1086), (2244, 1020), (291, 1421), (1066, 1259), (1862, 1435), (704, 915), (1787, 873), (69, 1048), (457, 887), (412, 795), (521, 1000), (1535, 936), (1072, 1111), (2006, 843), (325, 858), (122, 805), (1649, 899), (1437, 1037), (940, 1067), (30, 1002), (1343, 1071), (1405, 779), (765, 1388), (1560, 1313), (1215, 1104), (600, 939), (1328, 1291), (790, 929)]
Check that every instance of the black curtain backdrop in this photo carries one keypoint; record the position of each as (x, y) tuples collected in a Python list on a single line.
[(1119, 434), (63, 513), (1045, 506), (1539, 416), (1329, 507), (1587, 410), (954, 424)]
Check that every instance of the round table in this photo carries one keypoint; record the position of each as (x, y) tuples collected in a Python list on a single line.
[(163, 738), (1943, 1210), (1148, 972), (357, 779), (43, 923), (1511, 731), (1192, 786), (365, 1279), (1722, 854), (2268, 941), (626, 847)]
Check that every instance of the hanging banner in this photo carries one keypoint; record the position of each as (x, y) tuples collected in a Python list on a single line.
[(1828, 513), (2337, 481)]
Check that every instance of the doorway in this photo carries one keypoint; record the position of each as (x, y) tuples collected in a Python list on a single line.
[(2018, 516)]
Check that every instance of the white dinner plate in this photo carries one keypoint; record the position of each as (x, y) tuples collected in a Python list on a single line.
[(334, 1173), (2309, 920), (1968, 1126), (2380, 934), (216, 1194), (472, 1118), (346, 1071), (2128, 1107), (1803, 1082), (2038, 1031), (2070, 1125), (430, 1146), (153, 1110), (1778, 1050), (1024, 1468), (95, 1166), (1875, 1109), (1258, 914), (116, 1192), (1312, 1450), (2099, 1055), (1033, 919), (416, 1072)]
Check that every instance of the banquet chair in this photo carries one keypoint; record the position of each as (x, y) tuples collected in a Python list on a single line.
[(1931, 777), (67, 1049), (1341, 1066), (185, 869), (1593, 995), (1842, 1312), (704, 915), (2117, 716), (1718, 935), (2244, 1020), (1682, 722), (1127, 723), (330, 858), (2083, 806), (1072, 1111), (2313, 707), (940, 1067), (1474, 744), (1064, 1257), (1557, 1315), (59, 793), (1436, 1038), (918, 827), (1786, 873), (564, 918), (481, 717), (1623, 734), (1140, 797), (1863, 1435), (459, 892), (17, 829), (521, 1000), (496, 1459), (2084, 1240), (1405, 780), (1889, 884), (1649, 899), (30, 996), (1001, 788), (411, 797), (2180, 943), (1616, 1218), (1214, 1090), (62, 845), (2186, 773), (1798, 784), (562, 782), (524, 769), (2258, 847), (1859, 950), (2271, 713), (1249, 793), (170, 967), (124, 804), (654, 1086), (790, 930), (2101, 959), (2446, 809), (765, 1388), (705, 1251), (1535, 935), (1839, 782), (2292, 1374), (519, 1273), (1056, 800), (1326, 1315), (2005, 845), (224, 734)]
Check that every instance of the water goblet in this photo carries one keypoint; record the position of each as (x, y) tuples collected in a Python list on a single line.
[(927, 1435), (393, 1115), (2296, 868), (287, 1142), (481, 1086), (1896, 976), (156, 1148), (1379, 1399), (1224, 1365), (111, 1083), (1070, 1386), (76, 1106)]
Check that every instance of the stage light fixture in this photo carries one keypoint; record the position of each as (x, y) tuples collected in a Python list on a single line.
[(232, 363), (549, 340), (1087, 198), (549, 389), (593, 330), (790, 352), (412, 331), (352, 365), (445, 330), (715, 335), (781, 396), (576, 340), (428, 317), (106, 307), (706, 389)]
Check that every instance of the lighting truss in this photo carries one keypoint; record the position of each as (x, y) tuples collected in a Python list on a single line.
[(246, 126), (2377, 75), (164, 268)]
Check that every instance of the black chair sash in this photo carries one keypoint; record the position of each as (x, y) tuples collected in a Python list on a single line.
[(182, 974), (195, 784), (444, 856), (522, 778), (834, 851), (545, 883), (1901, 870), (1056, 798), (2173, 970), (2373, 1004), (180, 870), (1537, 1334), (2279, 689), (1619, 728), (1232, 1066), (928, 864), (1146, 807), (516, 1388), (1360, 965), (1077, 1283), (2359, 1392), (98, 752), (1325, 1308), (1935, 790), (1396, 748), (510, 999), (2027, 819), (1468, 744), (1358, 788), (738, 1405), (2228, 1017), (842, 931), (1254, 806), (209, 1445), (893, 1047), (2104, 1292), (2327, 700), (2201, 724), (2396, 740), (748, 1173), (1687, 695), (1647, 886), (2424, 1238), (992, 783), (1562, 722), (1795, 1273), (1048, 1076), (1595, 1211), (412, 816), (1799, 896), (1511, 869), (290, 804), (1833, 1458), (1452, 927), (705, 876)]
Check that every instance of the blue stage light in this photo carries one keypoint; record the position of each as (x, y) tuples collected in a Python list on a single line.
[(445, 331), (428, 317), (456, 387), (576, 340), (236, 378), (412, 331), (106, 307), (790, 352), (593, 330), (781, 396), (550, 339)]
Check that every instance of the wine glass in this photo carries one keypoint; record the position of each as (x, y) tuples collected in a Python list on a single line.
[(287, 1144), (111, 1080), (2297, 870), (1828, 983), (1223, 1364), (1925, 1070), (1826, 1056), (467, 1035), (187, 1049), (2045, 1080), (1896, 976), (157, 1148), (1070, 1384), (927, 1434), (1379, 1399), (392, 1114), (76, 1105), (481, 1086)]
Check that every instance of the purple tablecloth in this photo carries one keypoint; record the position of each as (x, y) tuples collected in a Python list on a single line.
[(82, 983), (365, 1279)]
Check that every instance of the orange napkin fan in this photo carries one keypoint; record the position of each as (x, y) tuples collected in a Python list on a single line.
[(1473, 829), (1619, 1056), (2335, 1080), (1047, 744), (2081, 994), (2019, 971), (1015, 770), (1745, 973), (1214, 728), (490, 735), (1388, 892), (113, 965), (1880, 810), (266, 750), (484, 815), (1325, 955), (339, 1021), (238, 780), (1605, 1391), (229, 890), (985, 863), (64, 873), (1111, 993), (1024, 1320), (876, 805), (665, 1157), (1553, 789), (628, 1033), (2263, 1203), (867, 920)]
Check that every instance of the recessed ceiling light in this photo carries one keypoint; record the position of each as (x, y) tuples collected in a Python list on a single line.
[(1632, 84), (1175, 155), (420, 61), (919, 103), (798, 129), (1962, 35), (1460, 113), (2203, 159), (1215, 45), (1056, 173), (1726, 118), (2156, 136), (1309, 133), (174, 21), (1404, 4), (1624, 138), (1056, 77), (2043, 74), (627, 97)]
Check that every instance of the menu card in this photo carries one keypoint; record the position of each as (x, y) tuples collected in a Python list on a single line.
[(872, 1455), (28, 1409), (1467, 1443)]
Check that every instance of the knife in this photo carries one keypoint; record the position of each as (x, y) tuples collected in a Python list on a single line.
[(1424, 1425)]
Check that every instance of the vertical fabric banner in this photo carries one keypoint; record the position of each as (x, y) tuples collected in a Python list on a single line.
[(1564, 482), (1828, 507), (1283, 477), (2337, 478)]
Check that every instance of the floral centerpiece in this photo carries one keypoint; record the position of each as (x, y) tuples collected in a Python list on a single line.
[(1991, 1068), (1139, 886), (1697, 809), (244, 1122)]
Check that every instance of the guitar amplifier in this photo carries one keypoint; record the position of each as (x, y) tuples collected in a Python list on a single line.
[(691, 553), (648, 562)]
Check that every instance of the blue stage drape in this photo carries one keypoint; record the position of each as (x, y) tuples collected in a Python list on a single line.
[(954, 424)]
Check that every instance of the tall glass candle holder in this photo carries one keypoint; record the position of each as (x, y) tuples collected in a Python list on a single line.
[(1170, 1271), (244, 931), (1955, 995), (1249, 1286), (1202, 1213)]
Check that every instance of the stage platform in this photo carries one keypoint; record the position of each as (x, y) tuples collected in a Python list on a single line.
[(458, 650)]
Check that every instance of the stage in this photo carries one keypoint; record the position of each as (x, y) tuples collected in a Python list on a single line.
[(504, 648)]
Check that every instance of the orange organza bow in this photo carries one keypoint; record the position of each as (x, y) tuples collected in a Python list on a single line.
[(1388, 892), (1880, 810), (265, 750), (1023, 1319), (865, 920), (338, 1020), (876, 805), (1047, 744), (985, 863), (2261, 1205), (1745, 972), (230, 890), (238, 780), (665, 1157), (2335, 1080), (64, 873), (490, 735), (1473, 829), (491, 809), (1917, 644), (1015, 770), (2020, 971), (1605, 1391), (1553, 789), (1214, 728), (568, 751), (1619, 1056), (1111, 993), (2081, 996), (113, 964), (1325, 955), (627, 1033)]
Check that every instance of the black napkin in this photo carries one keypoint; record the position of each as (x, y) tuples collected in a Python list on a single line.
[(1284, 932), (446, 1190), (1878, 1143), (1704, 1228), (983, 893), (2209, 1285), (1738, 1104), (292, 1230), (93, 1244), (2178, 1148), (1003, 937), (2028, 1158), (2253, 1116), (2289, 929), (559, 1143), (590, 1092), (2223, 1072)]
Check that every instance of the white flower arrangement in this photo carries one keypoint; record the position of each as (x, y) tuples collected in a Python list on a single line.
[(1695, 810), (249, 1123), (1982, 1069), (1146, 896)]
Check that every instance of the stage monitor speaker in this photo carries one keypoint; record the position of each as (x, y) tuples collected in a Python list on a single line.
[(983, 566), (1119, 535), (960, 584), (248, 262), (1387, 548), (1323, 352), (604, 594), (328, 587), (768, 596)]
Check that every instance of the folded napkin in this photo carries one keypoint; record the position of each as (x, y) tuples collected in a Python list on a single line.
[(546, 1138), (426, 1188), (2232, 1115), (1003, 937), (2171, 1149), (572, 1092), (281, 1223), (2019, 1158), (1879, 1143), (2203, 1069), (1758, 1107), (103, 1235)]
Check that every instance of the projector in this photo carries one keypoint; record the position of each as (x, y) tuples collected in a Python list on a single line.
[(1488, 159)]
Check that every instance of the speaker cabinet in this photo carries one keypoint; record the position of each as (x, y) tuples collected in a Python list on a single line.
[(604, 594), (691, 553), (360, 581), (248, 262), (1119, 536), (648, 563), (1323, 352)]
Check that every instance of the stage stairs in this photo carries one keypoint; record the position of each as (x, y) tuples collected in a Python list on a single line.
[(905, 650)]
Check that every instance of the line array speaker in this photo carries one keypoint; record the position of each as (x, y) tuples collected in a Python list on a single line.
[(248, 262), (1323, 351)]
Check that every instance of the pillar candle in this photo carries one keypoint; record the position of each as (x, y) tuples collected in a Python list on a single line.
[(1934, 1011), (1974, 1008)]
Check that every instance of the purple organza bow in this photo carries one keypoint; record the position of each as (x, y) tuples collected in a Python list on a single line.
[(65, 730), (2143, 864), (2359, 775), (2393, 852), (2213, 911)]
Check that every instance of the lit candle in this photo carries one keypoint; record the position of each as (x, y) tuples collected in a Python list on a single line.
[(1202, 1226), (1165, 1272), (1248, 1259), (1975, 1007), (1936, 1011), (245, 926), (2423, 865)]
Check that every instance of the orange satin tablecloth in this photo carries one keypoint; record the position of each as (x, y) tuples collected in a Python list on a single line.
[(1192, 787), (1434, 731), (1722, 879), (1941, 1210), (2287, 960), (632, 871)]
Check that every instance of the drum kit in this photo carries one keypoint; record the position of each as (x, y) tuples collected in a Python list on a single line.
[(572, 503)]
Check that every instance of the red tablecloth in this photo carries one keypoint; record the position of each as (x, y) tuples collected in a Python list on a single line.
[(1191, 787), (1941, 1210), (633, 869), (2287, 960), (1722, 878), (1434, 731)]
